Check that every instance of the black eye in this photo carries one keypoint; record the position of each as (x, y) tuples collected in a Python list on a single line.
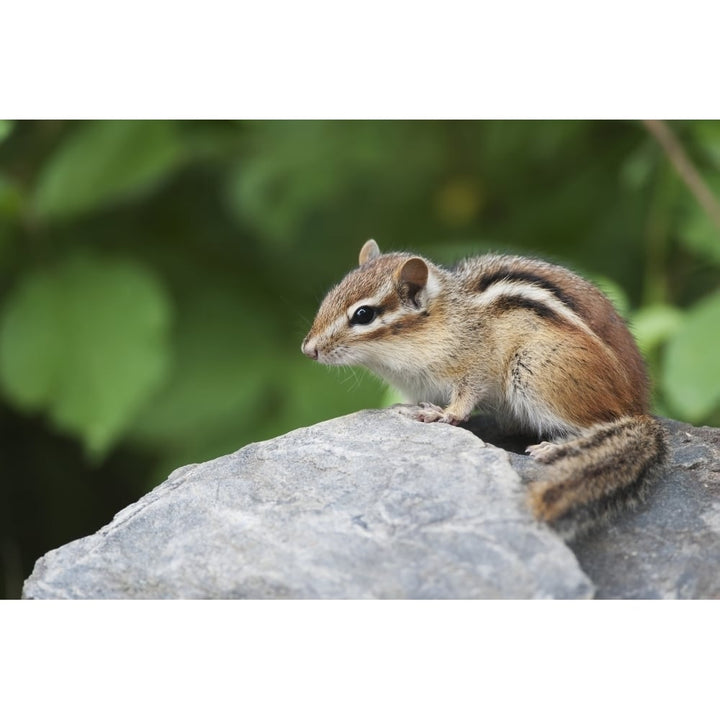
[(363, 315)]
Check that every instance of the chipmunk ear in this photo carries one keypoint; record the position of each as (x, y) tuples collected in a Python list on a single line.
[(369, 251), (412, 278)]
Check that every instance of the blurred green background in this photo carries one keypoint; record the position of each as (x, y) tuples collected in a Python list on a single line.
[(157, 277)]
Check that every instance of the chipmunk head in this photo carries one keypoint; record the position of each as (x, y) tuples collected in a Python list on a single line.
[(373, 310)]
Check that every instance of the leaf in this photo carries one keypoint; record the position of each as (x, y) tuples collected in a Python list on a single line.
[(225, 358), (85, 342), (691, 372), (697, 231), (297, 172), (10, 198), (706, 134), (6, 128), (104, 162), (289, 172), (654, 324), (10, 208)]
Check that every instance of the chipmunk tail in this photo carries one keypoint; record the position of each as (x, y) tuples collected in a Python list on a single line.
[(592, 478)]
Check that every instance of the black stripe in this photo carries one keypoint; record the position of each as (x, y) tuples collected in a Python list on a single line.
[(516, 302), (581, 445), (609, 505), (528, 277)]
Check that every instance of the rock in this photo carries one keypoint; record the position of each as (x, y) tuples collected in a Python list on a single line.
[(371, 505), (670, 546)]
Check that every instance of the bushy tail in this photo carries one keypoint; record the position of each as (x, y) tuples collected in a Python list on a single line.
[(591, 478)]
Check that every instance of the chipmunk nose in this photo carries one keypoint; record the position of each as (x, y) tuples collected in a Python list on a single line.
[(309, 348)]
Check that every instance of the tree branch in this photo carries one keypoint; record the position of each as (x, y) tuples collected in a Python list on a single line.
[(685, 168)]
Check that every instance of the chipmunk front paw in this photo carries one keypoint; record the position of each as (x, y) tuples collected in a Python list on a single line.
[(427, 412)]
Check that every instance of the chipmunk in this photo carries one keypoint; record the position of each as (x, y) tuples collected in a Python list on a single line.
[(532, 343)]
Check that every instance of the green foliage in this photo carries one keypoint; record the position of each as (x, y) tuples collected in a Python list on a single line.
[(6, 127), (294, 171), (157, 277), (225, 358), (10, 199), (85, 342), (104, 162), (692, 363), (697, 231), (652, 325), (237, 229)]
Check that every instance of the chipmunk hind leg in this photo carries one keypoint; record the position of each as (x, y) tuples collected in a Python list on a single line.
[(592, 477)]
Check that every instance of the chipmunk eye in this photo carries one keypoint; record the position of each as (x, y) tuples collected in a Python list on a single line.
[(363, 315)]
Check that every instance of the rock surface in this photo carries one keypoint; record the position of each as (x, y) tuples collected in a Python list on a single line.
[(373, 505), (669, 547)]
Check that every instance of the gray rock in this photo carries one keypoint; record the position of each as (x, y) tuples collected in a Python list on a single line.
[(371, 505), (670, 546)]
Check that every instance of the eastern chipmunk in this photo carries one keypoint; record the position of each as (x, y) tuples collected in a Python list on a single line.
[(534, 345)]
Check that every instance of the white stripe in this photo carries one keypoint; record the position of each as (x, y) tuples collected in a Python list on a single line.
[(514, 288)]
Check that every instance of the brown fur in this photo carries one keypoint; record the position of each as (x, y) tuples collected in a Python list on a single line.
[(596, 475), (532, 342), (359, 283), (626, 365)]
